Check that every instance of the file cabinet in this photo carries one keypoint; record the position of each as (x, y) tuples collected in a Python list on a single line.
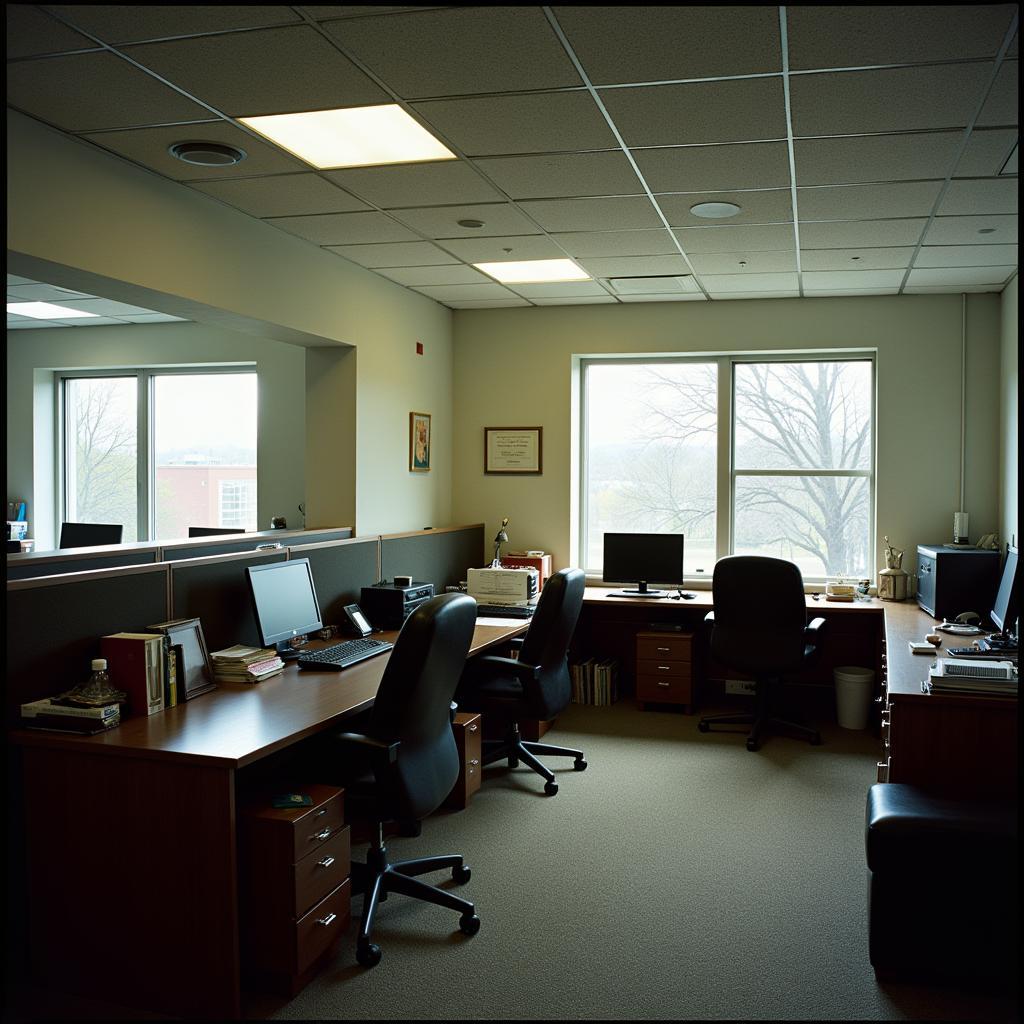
[(664, 669), (468, 738)]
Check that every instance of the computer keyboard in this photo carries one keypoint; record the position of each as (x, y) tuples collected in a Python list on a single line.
[(344, 654), (504, 611)]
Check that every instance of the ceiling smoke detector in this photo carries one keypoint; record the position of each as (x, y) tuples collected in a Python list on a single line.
[(207, 154), (715, 211)]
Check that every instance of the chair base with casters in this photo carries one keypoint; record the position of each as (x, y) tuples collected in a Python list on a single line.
[(761, 720), (378, 877), (516, 749)]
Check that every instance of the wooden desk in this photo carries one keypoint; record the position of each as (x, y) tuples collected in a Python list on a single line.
[(131, 835)]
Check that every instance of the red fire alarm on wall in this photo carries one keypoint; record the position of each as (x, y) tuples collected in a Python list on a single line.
[(419, 348)]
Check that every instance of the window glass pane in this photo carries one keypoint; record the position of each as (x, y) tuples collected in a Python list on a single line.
[(821, 523), (650, 442), (812, 415), (100, 466), (205, 449)]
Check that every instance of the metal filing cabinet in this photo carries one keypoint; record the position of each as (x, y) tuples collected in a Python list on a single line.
[(954, 580)]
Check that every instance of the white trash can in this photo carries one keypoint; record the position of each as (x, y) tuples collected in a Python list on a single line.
[(853, 696)]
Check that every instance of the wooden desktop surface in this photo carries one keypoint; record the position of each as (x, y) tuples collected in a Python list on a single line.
[(603, 596)]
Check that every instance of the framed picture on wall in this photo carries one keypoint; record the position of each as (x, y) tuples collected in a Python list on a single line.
[(513, 450), (419, 442)]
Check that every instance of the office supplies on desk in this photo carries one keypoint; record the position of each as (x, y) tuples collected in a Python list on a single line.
[(507, 611), (339, 656), (503, 586), (388, 605)]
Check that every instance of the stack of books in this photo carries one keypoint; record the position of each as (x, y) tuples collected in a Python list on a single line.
[(974, 676), (595, 681), (241, 664), (49, 713)]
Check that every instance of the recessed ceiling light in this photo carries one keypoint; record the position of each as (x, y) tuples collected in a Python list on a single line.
[(351, 137), (207, 154), (46, 311), (471, 224), (533, 271), (715, 211)]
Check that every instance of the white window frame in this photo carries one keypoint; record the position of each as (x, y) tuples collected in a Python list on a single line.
[(145, 473), (246, 491), (726, 471)]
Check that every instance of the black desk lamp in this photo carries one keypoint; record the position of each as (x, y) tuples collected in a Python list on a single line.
[(502, 538)]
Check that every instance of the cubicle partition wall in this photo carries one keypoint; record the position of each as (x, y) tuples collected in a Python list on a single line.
[(340, 571), (439, 556), (201, 547), (82, 560), (54, 624)]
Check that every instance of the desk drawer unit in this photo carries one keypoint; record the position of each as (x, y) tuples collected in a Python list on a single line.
[(468, 730), (664, 669)]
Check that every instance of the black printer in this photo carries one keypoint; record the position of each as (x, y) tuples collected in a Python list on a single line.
[(388, 605)]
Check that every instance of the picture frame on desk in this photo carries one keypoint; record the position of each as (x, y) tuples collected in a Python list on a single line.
[(514, 450), (193, 669)]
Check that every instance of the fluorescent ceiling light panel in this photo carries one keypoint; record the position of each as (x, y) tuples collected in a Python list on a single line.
[(46, 311), (352, 137), (533, 271)]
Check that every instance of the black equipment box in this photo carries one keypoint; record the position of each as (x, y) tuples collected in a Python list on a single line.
[(955, 580), (388, 605)]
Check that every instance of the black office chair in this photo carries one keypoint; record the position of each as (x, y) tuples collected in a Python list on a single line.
[(760, 628), (534, 685), (411, 749)]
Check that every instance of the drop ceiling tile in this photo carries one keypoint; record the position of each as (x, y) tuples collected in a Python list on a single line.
[(148, 146), (635, 266), (755, 295), (472, 50), (420, 276), (31, 31), (397, 254), (845, 293), (861, 279), (446, 182), (624, 213), (106, 307), (1001, 106), (29, 325), (152, 318), (727, 283), (712, 168), (513, 247), (52, 90), (331, 12), (875, 158), (230, 71), (837, 37), (484, 303), (97, 321), (771, 206), (649, 242), (967, 231), (867, 202), (576, 300), (664, 284), (344, 228), (281, 195), (1010, 167), (558, 289), (986, 153), (868, 234), (554, 122), (966, 256), (560, 175), (961, 275), (739, 110), (466, 291), (663, 297), (651, 44), (894, 258), (34, 292), (979, 197), (13, 280), (122, 23), (755, 237), (755, 262), (443, 221), (953, 289)]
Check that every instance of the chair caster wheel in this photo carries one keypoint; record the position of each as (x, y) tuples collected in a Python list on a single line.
[(469, 924), (703, 727), (550, 788), (513, 762), (580, 764), (461, 875), (751, 744), (368, 954)]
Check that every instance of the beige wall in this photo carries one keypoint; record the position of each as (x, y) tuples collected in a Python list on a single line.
[(513, 368), (1009, 464)]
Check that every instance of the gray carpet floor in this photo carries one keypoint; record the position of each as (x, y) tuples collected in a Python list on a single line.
[(679, 877)]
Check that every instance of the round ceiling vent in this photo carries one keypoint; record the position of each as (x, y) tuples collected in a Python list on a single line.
[(715, 211), (207, 154)]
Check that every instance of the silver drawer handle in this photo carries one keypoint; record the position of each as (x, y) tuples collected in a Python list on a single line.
[(320, 813), (474, 761), (473, 728), (660, 683), (325, 921), (663, 650), (325, 863), (664, 668), (319, 837)]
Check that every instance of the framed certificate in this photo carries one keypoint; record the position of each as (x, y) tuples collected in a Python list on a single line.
[(513, 450)]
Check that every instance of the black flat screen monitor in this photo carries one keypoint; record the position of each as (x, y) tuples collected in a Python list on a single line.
[(89, 535), (284, 601), (1004, 608), (643, 558), (210, 531)]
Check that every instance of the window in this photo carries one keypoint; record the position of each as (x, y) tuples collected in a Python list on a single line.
[(158, 450), (772, 457)]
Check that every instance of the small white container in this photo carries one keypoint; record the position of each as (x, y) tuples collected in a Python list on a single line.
[(853, 696)]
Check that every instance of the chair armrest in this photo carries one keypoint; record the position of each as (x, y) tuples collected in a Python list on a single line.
[(452, 710), (815, 626), (520, 669), (710, 617), (388, 752), (516, 643)]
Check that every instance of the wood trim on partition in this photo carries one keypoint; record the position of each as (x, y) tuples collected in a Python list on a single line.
[(427, 531), (59, 579)]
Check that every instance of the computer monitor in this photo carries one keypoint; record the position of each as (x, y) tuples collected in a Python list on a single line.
[(1004, 608), (284, 601), (89, 535), (643, 558), (210, 531)]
